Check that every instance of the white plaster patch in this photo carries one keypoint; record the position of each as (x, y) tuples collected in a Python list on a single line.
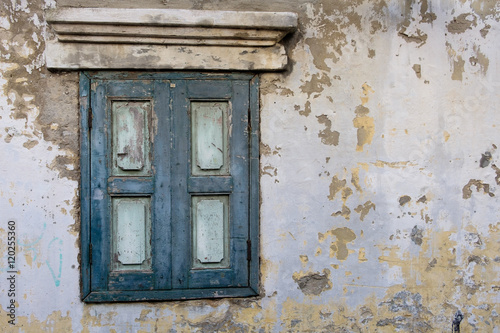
[(35, 39), (24, 51), (6, 66), (197, 311), (4, 23), (37, 64), (48, 4), (20, 5), (36, 20), (45, 247)]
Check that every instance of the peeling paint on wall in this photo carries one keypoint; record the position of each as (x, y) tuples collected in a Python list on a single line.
[(479, 185), (461, 23), (364, 209), (313, 283), (378, 175), (365, 126), (327, 136)]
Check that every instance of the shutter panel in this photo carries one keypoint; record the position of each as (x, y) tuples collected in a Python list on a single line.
[(214, 185), (166, 187), (124, 206)]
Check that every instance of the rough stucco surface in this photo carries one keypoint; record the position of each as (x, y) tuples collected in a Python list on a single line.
[(379, 177)]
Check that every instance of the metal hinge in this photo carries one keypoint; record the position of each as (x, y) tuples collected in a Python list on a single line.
[(89, 117), (249, 250), (90, 254)]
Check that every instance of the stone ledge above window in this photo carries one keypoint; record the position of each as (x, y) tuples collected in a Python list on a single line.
[(117, 38)]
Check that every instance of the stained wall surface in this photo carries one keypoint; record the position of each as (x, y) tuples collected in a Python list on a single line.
[(379, 179)]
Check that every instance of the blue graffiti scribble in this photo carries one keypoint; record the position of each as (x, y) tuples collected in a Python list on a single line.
[(30, 246), (57, 279)]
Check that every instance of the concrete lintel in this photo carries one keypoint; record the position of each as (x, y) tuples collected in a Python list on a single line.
[(175, 17), (115, 38), (76, 56)]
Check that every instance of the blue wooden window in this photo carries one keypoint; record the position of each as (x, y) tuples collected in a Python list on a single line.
[(169, 186)]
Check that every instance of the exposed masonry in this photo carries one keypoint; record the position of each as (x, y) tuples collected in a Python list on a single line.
[(379, 171)]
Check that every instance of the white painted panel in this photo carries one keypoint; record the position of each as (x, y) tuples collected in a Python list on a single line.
[(130, 138), (209, 231), (131, 231), (209, 129)]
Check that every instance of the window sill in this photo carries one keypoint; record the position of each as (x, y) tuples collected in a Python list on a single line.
[(167, 295)]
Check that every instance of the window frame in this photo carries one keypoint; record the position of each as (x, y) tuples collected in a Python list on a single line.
[(87, 79)]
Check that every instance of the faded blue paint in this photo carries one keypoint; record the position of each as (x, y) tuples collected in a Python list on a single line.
[(170, 189)]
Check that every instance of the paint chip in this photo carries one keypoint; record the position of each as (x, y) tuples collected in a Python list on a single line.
[(418, 70), (404, 199), (467, 189), (313, 283), (417, 235)]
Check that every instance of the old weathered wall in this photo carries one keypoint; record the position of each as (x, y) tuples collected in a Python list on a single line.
[(379, 177)]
